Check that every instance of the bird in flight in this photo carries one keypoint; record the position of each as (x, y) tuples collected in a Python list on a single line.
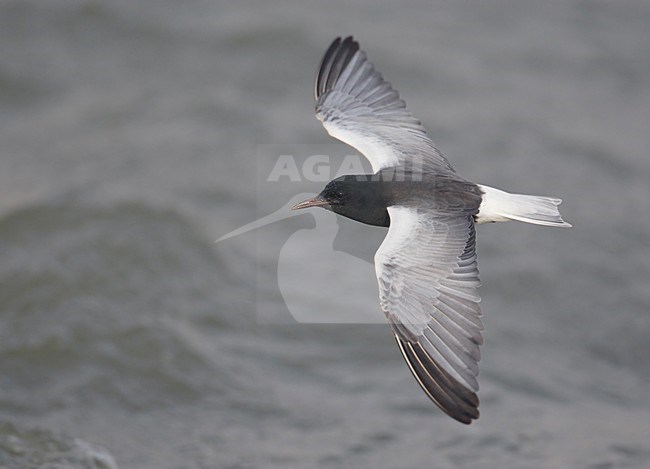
[(426, 267)]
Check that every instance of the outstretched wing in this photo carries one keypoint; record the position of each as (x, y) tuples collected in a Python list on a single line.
[(359, 108), (428, 280)]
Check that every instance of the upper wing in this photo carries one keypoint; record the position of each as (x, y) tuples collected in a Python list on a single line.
[(428, 279), (359, 108)]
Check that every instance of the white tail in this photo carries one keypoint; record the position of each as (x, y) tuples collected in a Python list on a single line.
[(498, 205)]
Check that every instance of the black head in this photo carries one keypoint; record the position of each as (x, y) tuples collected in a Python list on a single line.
[(355, 197), (337, 193)]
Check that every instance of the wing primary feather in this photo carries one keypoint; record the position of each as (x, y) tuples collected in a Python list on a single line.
[(451, 386), (448, 359), (354, 64), (325, 64), (427, 382), (341, 61), (466, 401), (335, 61), (452, 307), (455, 401)]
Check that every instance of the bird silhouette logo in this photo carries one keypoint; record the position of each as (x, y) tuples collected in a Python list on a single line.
[(350, 303)]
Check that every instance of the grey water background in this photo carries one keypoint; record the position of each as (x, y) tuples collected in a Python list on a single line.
[(129, 136)]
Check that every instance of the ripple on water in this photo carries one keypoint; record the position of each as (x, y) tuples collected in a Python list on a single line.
[(125, 305), (43, 448)]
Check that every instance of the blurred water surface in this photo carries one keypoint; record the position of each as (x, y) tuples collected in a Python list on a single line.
[(128, 143)]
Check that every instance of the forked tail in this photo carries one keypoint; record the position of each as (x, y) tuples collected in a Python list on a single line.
[(498, 205)]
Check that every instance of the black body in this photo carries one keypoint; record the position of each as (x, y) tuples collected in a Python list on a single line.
[(365, 198)]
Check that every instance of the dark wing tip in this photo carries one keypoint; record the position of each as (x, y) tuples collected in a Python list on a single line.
[(336, 58), (447, 393)]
